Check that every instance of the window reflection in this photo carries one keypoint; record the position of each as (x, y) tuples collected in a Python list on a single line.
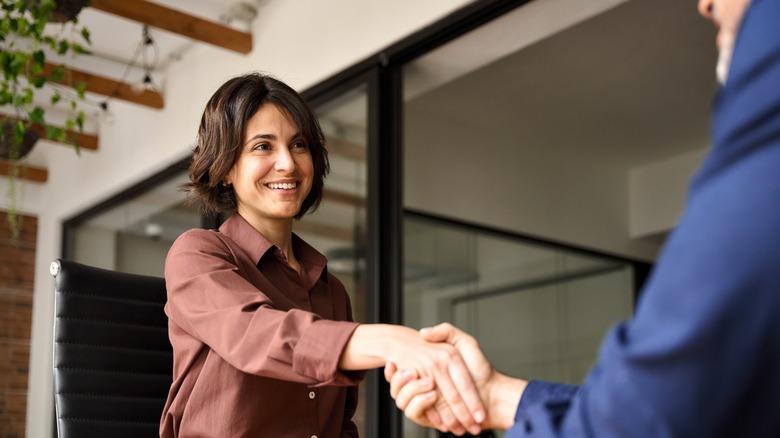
[(135, 235), (338, 227), (538, 311)]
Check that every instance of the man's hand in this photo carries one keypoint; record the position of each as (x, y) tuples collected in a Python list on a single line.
[(373, 345), (423, 405)]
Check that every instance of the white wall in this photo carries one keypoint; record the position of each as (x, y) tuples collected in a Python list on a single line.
[(454, 170), (301, 42), (657, 195)]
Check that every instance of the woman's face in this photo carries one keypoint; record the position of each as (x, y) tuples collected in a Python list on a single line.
[(274, 171)]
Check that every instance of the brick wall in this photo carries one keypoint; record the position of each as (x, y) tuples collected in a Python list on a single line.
[(17, 260)]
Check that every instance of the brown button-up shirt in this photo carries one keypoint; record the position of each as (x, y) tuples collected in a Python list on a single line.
[(255, 344)]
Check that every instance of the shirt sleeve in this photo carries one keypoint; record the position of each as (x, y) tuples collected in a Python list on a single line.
[(349, 428), (694, 360), (208, 298)]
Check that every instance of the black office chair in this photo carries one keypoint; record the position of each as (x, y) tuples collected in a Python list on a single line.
[(112, 357)]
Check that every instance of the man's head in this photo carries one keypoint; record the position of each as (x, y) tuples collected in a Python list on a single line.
[(727, 16)]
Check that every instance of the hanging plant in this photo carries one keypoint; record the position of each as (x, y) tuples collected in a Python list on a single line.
[(67, 10), (27, 41)]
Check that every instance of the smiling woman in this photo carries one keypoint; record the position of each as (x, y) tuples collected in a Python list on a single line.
[(263, 338)]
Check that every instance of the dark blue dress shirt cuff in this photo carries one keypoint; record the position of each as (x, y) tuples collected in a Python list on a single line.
[(539, 391)]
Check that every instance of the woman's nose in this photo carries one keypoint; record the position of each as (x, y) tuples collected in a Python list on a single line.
[(285, 161)]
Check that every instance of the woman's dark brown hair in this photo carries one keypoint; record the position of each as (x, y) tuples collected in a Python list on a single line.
[(221, 137)]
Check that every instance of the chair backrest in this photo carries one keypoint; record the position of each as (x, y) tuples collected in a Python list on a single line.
[(112, 356)]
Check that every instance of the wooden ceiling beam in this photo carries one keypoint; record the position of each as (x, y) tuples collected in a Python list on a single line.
[(108, 87), (30, 173), (159, 16), (83, 140)]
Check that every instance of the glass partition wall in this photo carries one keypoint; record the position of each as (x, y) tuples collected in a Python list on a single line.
[(338, 227), (133, 231), (536, 309)]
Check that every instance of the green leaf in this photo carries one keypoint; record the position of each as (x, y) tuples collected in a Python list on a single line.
[(54, 133), (77, 48), (56, 97), (22, 26), (49, 41), (19, 130), (58, 73), (62, 47), (36, 69), (80, 117), (39, 27), (86, 35), (24, 98), (6, 97), (37, 81), (39, 58), (36, 115), (18, 62), (80, 88)]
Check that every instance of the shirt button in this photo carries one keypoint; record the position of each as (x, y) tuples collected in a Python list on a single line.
[(314, 436), (311, 396)]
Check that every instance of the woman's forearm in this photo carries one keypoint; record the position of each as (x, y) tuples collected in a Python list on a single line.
[(373, 345)]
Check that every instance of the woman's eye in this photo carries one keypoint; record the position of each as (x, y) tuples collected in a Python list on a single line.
[(261, 147), (299, 145)]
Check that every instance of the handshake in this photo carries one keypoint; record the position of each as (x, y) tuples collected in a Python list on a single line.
[(455, 389)]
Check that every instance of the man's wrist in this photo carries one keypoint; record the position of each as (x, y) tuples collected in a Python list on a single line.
[(504, 395)]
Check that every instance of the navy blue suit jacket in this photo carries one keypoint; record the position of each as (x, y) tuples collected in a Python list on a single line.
[(701, 357)]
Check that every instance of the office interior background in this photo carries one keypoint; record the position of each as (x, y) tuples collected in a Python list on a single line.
[(512, 167)]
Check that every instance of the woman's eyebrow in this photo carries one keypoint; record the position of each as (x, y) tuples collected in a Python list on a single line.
[(271, 137), (263, 136)]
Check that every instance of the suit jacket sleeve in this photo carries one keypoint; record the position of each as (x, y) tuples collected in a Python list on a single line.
[(700, 356)]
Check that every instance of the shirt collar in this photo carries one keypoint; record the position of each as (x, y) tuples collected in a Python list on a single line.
[(257, 246)]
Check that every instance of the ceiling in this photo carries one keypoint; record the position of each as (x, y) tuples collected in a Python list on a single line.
[(629, 86), (115, 39)]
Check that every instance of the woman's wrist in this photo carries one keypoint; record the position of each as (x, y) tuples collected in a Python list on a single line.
[(372, 346)]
